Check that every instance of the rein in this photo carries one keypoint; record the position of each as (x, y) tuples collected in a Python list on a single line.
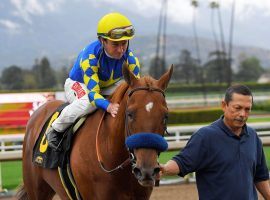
[(122, 165), (132, 158)]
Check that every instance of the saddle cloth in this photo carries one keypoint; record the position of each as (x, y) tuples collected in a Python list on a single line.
[(46, 157)]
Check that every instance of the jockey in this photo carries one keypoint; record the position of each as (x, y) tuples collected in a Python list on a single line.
[(96, 72)]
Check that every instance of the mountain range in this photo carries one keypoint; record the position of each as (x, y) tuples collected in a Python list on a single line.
[(59, 29), (143, 46)]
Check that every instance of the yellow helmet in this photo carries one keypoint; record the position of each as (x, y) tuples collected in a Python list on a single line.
[(115, 27)]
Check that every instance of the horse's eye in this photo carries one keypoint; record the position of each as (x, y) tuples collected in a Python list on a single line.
[(130, 115)]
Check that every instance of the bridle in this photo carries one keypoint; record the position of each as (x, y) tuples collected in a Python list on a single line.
[(150, 89), (131, 159)]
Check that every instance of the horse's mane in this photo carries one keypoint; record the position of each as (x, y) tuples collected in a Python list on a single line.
[(118, 94)]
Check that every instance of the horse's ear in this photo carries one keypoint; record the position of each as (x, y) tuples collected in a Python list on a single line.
[(165, 79), (128, 75)]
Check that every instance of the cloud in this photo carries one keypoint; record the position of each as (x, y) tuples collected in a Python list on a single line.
[(25, 9), (10, 26), (247, 9), (180, 11)]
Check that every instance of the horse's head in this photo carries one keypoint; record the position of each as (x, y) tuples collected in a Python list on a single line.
[(145, 121)]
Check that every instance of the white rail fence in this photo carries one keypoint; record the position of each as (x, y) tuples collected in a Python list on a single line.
[(11, 145)]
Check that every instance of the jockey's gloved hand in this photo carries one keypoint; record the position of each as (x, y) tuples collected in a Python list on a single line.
[(113, 109)]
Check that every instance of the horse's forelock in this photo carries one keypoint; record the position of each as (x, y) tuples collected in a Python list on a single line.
[(149, 81)]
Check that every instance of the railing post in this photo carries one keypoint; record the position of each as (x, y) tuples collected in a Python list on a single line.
[(177, 136), (2, 145), (2, 191), (1, 186)]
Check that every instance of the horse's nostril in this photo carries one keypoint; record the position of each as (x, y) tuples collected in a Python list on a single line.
[(137, 172), (156, 171)]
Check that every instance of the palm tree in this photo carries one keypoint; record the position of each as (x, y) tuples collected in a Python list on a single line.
[(164, 35), (229, 80), (158, 65), (213, 6), (217, 52), (221, 28), (195, 5), (223, 61)]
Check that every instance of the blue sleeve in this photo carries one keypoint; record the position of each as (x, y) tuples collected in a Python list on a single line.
[(261, 173), (133, 64), (194, 156), (89, 65)]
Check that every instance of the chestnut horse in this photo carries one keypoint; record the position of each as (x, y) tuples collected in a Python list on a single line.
[(99, 153)]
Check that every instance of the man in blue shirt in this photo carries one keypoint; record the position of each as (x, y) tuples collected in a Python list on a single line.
[(227, 155)]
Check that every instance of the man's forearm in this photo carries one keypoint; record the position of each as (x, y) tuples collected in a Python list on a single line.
[(171, 168), (264, 189)]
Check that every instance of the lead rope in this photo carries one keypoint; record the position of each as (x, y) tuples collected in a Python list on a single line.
[(122, 165)]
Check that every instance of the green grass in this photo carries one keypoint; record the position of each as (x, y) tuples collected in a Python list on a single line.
[(267, 156), (12, 171), (261, 119), (11, 174), (250, 120)]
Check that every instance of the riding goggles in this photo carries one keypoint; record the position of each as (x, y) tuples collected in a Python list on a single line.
[(118, 33)]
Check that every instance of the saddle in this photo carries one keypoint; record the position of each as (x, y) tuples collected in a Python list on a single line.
[(46, 157)]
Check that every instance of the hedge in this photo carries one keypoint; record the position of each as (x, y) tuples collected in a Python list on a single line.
[(262, 106), (214, 87), (206, 114), (194, 116)]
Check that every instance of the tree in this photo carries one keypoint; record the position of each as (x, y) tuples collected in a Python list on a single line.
[(215, 70), (62, 75), (186, 69), (12, 78), (157, 66), (44, 74), (29, 81), (250, 69)]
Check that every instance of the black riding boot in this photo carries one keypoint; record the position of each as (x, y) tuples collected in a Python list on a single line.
[(53, 138)]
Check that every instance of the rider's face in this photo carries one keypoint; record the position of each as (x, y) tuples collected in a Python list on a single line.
[(115, 49)]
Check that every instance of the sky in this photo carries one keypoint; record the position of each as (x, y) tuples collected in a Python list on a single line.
[(179, 13), (35, 20)]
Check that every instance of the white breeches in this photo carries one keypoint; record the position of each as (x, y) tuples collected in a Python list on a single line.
[(77, 95)]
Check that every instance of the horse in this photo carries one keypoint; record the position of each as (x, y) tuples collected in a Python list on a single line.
[(103, 167)]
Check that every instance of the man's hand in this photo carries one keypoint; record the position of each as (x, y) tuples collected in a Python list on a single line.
[(113, 109), (170, 168)]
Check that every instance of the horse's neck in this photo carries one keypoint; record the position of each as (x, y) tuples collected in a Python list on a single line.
[(112, 135), (116, 126)]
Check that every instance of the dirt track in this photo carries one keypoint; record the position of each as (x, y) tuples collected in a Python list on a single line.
[(171, 192), (168, 192), (178, 192), (175, 192)]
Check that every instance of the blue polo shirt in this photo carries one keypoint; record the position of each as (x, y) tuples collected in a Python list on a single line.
[(226, 166)]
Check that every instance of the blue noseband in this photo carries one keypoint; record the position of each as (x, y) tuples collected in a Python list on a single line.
[(147, 140)]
